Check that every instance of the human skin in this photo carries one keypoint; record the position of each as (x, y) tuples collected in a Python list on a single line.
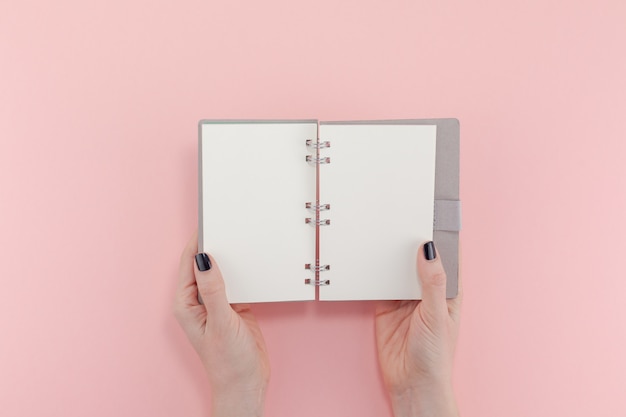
[(226, 337), (416, 342)]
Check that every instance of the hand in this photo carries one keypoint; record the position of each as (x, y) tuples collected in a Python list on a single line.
[(416, 342), (227, 338)]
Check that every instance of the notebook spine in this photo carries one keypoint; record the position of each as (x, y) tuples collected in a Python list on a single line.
[(316, 159)]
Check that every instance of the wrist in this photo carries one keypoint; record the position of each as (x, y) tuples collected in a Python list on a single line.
[(238, 402), (435, 400)]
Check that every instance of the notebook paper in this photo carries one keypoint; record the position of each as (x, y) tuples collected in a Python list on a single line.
[(254, 185), (380, 185)]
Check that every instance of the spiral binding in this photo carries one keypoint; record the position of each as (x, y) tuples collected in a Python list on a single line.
[(316, 222), (317, 160), (318, 268), (317, 282), (317, 145), (314, 160), (317, 207)]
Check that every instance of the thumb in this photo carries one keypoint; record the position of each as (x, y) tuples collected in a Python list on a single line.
[(211, 288), (433, 279)]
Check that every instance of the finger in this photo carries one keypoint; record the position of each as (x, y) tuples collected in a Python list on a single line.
[(240, 308), (433, 280), (188, 311), (212, 290), (186, 290)]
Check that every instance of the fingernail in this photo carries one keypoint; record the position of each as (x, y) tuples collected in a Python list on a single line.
[(203, 262), (429, 251)]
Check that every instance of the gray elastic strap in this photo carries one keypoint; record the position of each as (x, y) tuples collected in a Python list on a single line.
[(447, 215)]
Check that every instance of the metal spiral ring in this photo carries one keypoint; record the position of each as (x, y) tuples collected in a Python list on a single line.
[(313, 160), (317, 207), (317, 282), (320, 222), (320, 268), (317, 145)]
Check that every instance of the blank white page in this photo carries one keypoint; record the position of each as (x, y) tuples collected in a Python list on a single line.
[(255, 183), (380, 185)]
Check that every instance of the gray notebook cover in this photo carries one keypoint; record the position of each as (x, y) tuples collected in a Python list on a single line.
[(447, 210)]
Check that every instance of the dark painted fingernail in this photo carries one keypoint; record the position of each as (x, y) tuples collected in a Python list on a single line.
[(203, 262), (429, 251)]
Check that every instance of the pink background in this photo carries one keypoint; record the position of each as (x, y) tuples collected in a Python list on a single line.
[(99, 103)]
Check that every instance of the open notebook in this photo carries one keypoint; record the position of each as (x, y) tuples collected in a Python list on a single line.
[(291, 206)]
